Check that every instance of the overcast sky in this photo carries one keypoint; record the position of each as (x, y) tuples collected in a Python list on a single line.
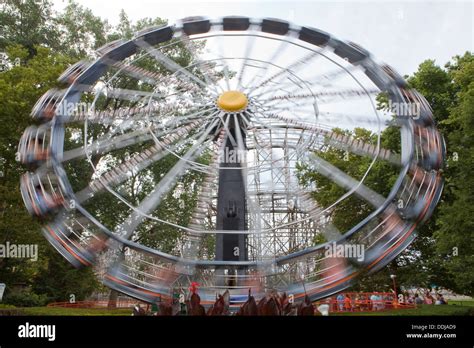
[(401, 33)]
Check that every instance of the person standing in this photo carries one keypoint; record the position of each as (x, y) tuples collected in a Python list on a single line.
[(347, 304), (340, 302)]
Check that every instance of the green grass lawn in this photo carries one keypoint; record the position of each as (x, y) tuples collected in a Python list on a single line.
[(71, 311), (451, 309), (422, 310), (454, 308), (461, 303)]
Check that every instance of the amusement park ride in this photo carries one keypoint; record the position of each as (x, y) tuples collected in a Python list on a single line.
[(258, 99)]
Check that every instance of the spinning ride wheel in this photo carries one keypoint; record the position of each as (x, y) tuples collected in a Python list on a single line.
[(185, 164)]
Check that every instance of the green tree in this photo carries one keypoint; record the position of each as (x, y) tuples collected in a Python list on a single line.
[(455, 222), (81, 31), (20, 87), (58, 280), (28, 23), (381, 177), (442, 254)]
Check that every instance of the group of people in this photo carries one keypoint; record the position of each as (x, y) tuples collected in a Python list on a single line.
[(344, 302), (375, 302), (426, 298), (379, 301)]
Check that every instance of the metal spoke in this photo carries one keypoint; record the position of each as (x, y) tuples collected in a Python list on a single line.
[(292, 68), (248, 50), (202, 65), (150, 203), (138, 162), (171, 65), (345, 181), (280, 49), (340, 141), (343, 94), (108, 143)]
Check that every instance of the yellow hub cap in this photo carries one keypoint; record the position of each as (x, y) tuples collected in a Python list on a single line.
[(232, 101)]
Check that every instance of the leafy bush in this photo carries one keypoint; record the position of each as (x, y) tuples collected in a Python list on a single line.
[(25, 299)]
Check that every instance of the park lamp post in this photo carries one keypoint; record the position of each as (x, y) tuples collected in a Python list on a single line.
[(394, 276)]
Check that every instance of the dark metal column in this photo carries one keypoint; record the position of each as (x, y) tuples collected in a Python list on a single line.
[(231, 209)]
